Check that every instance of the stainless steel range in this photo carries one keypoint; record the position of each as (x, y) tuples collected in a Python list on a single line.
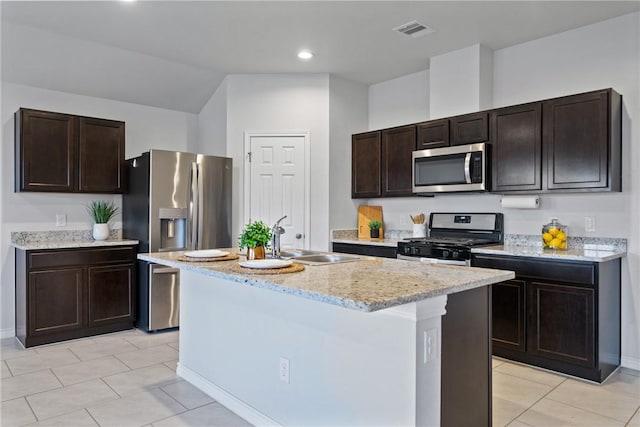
[(451, 237)]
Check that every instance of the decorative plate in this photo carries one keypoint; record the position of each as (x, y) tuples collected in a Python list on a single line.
[(266, 263), (207, 253)]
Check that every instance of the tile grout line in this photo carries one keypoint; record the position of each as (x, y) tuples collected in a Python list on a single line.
[(32, 411), (7, 365), (61, 388), (633, 415), (587, 410), (534, 381), (111, 388), (534, 403), (174, 399), (91, 416)]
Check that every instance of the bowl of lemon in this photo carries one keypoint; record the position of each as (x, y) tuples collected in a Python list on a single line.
[(554, 236)]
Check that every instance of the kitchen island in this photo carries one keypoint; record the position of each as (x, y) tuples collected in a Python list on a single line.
[(353, 343)]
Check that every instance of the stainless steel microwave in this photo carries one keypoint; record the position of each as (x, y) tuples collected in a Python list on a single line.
[(451, 169)]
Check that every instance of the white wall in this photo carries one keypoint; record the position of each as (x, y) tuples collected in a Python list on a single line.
[(212, 124), (399, 101), (602, 55), (145, 127), (279, 102), (347, 115), (460, 81)]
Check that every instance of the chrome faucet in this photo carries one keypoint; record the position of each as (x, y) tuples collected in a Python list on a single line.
[(276, 231)]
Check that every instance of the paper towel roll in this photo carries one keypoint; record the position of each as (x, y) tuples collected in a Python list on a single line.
[(520, 202)]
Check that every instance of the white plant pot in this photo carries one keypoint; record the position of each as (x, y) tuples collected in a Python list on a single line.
[(100, 231)]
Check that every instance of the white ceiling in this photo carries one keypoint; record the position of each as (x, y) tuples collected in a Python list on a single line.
[(174, 54)]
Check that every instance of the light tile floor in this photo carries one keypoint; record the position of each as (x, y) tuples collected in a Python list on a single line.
[(128, 379)]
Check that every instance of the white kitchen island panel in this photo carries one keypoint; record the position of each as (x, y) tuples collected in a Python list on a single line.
[(346, 367)]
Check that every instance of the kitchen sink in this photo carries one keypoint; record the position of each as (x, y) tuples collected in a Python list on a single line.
[(295, 253), (326, 258)]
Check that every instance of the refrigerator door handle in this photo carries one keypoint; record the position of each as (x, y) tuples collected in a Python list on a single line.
[(193, 207), (200, 223)]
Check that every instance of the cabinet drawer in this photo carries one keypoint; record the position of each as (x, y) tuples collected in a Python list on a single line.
[(80, 256), (582, 273)]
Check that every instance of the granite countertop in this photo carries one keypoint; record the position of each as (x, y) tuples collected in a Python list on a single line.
[(585, 253), (591, 249), (34, 240), (370, 284), (350, 236)]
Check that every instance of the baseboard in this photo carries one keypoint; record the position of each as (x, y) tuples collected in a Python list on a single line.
[(7, 333), (630, 362), (229, 401)]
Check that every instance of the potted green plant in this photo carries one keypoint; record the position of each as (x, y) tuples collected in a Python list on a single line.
[(101, 212), (374, 229), (255, 237)]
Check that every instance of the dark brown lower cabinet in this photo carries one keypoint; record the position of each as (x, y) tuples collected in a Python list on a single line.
[(559, 315), (509, 315), (57, 301), (63, 294), (109, 294), (563, 323)]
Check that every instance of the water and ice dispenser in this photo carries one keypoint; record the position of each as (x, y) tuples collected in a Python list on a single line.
[(173, 228)]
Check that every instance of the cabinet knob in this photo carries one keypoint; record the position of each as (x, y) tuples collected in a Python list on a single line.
[(298, 236)]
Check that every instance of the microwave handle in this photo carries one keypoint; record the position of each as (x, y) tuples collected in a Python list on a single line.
[(467, 170)]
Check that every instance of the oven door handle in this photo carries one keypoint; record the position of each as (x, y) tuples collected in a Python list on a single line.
[(467, 168)]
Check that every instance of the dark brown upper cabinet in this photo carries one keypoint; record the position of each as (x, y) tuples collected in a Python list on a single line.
[(517, 148), (432, 134), (45, 151), (582, 140), (365, 165), (57, 152), (101, 153), (469, 128), (397, 146)]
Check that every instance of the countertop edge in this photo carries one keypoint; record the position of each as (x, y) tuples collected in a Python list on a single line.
[(539, 253), (72, 244), (328, 299)]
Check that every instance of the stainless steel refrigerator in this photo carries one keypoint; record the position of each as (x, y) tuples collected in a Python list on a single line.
[(174, 201)]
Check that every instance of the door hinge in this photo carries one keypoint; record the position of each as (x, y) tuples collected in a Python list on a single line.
[(249, 156)]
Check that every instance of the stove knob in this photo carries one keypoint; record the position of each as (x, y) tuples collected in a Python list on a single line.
[(445, 254), (406, 250), (415, 251), (455, 255)]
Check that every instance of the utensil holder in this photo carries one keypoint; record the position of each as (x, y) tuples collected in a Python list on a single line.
[(419, 230)]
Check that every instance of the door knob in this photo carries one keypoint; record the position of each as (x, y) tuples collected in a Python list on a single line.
[(298, 236)]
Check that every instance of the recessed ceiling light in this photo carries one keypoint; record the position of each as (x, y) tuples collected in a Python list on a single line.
[(305, 54)]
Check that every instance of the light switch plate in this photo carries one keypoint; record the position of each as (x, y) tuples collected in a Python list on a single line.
[(61, 220)]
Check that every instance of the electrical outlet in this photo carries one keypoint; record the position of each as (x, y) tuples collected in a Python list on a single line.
[(61, 220), (283, 370), (590, 224), (430, 345)]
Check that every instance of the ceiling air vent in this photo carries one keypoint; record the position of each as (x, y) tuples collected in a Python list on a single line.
[(414, 29)]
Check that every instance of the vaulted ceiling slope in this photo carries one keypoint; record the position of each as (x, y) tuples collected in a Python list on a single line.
[(174, 54)]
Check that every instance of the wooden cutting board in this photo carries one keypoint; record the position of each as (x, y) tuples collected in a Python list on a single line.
[(366, 214)]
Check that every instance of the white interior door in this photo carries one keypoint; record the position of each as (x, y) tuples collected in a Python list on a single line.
[(277, 184)]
